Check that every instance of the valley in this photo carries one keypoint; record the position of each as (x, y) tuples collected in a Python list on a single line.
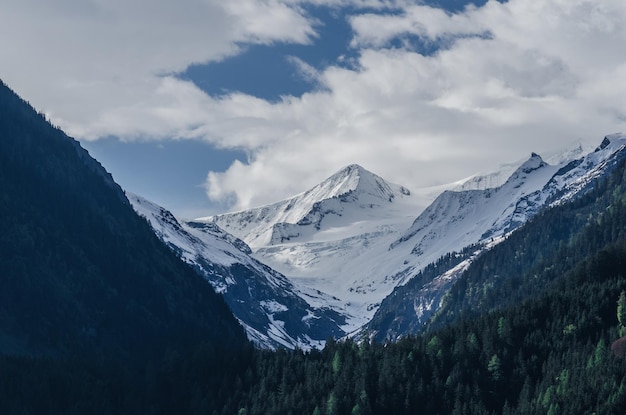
[(489, 300)]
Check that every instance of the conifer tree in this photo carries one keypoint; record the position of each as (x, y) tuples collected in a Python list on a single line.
[(621, 313)]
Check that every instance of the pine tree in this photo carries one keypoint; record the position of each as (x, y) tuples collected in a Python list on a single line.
[(495, 367), (621, 313)]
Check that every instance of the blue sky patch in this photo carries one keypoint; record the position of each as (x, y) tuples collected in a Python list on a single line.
[(267, 72), (170, 173)]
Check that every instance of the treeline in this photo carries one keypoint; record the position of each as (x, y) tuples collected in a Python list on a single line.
[(548, 355), (396, 315), (542, 252)]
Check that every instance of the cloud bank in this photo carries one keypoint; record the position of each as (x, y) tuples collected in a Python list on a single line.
[(505, 79)]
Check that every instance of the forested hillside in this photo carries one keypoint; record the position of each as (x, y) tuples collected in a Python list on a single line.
[(544, 347), (549, 355), (540, 255), (89, 295)]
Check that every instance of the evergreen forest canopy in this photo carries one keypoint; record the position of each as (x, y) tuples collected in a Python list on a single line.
[(97, 316)]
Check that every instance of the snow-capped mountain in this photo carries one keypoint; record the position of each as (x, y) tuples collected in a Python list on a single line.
[(480, 219), (332, 239), (352, 195), (457, 219), (351, 236), (496, 178), (354, 235), (265, 302), (323, 261)]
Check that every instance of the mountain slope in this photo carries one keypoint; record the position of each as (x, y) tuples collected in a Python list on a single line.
[(547, 355), (264, 301), (457, 219), (409, 308), (81, 272), (556, 242)]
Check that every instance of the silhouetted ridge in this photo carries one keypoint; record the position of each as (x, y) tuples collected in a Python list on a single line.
[(80, 271)]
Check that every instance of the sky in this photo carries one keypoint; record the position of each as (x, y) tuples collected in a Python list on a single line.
[(206, 106)]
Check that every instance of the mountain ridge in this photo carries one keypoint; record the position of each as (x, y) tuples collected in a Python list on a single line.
[(82, 274), (417, 302)]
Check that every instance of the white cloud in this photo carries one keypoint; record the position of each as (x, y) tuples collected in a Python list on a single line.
[(514, 77), (89, 63), (517, 77), (375, 30), (264, 21)]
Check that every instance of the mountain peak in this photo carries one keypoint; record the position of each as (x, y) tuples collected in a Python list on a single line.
[(340, 201), (353, 168), (534, 162), (615, 140), (348, 178), (525, 170), (352, 171), (353, 179)]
